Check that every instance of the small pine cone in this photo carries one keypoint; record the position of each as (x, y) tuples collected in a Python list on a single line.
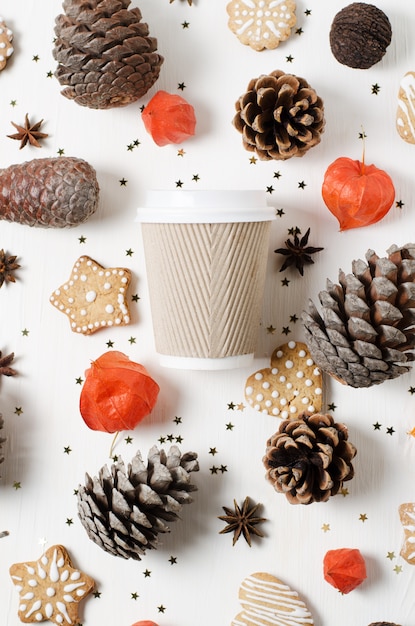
[(279, 116), (124, 510), (52, 193), (365, 333), (309, 458), (383, 624), (104, 53)]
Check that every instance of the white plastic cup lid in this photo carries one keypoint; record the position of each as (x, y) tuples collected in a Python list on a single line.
[(184, 206)]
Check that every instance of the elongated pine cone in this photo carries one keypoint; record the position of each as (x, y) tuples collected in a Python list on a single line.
[(279, 116), (124, 510), (53, 192), (104, 53), (309, 458), (365, 332)]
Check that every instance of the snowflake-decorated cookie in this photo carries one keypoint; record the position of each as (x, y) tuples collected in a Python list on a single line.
[(261, 24), (50, 588), (94, 297), (407, 517), (292, 385)]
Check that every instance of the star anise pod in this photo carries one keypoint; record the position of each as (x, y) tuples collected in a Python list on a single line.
[(7, 266), (242, 520), (28, 133), (297, 252), (5, 368), (189, 2)]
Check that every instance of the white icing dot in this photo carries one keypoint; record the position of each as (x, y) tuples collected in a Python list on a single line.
[(305, 400), (91, 296), (283, 401), (84, 278), (300, 374), (256, 407), (268, 403), (302, 353), (107, 285), (296, 393), (266, 385), (109, 309), (293, 409), (75, 575), (50, 591), (289, 385), (259, 397), (249, 391), (274, 371), (31, 570), (284, 414), (280, 353), (32, 582), (22, 607), (71, 300), (291, 344), (258, 376), (275, 411), (318, 391), (124, 280), (82, 312), (39, 617), (282, 379), (59, 619), (289, 364), (316, 372), (308, 382), (275, 394), (310, 362), (311, 408)]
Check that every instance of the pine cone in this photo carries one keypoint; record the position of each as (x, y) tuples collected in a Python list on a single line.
[(309, 458), (365, 334), (124, 510), (53, 192), (104, 53), (279, 116)]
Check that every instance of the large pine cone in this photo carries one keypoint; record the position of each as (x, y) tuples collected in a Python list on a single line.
[(54, 192), (105, 55), (309, 458), (124, 510), (279, 116), (365, 333)]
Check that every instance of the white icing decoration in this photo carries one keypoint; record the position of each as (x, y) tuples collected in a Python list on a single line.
[(107, 285), (84, 278), (275, 394), (302, 353), (316, 371), (289, 385), (289, 364), (91, 296), (259, 376), (310, 362), (268, 403), (311, 408), (249, 390), (266, 385), (280, 353), (274, 371), (300, 374), (308, 382), (293, 409), (291, 345), (259, 397), (50, 591), (282, 379), (109, 309), (305, 400), (275, 411), (283, 401), (284, 414), (318, 391)]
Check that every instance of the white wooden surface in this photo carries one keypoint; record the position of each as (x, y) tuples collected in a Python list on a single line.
[(202, 587)]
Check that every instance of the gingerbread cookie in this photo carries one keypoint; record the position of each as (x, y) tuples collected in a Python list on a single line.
[(405, 115), (50, 588), (6, 48), (292, 385), (261, 24), (94, 297), (267, 601), (407, 517)]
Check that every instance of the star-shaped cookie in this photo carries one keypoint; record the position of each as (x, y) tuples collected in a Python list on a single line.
[(94, 297), (50, 588)]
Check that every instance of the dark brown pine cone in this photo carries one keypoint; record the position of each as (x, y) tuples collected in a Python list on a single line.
[(359, 35), (309, 458), (383, 624), (104, 53), (365, 333), (279, 116)]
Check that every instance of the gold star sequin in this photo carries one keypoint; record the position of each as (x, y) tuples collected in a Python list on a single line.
[(94, 297)]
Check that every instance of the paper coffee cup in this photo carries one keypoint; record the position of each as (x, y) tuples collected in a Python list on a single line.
[(206, 255)]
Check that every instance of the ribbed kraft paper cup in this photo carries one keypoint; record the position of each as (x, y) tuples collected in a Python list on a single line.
[(206, 255)]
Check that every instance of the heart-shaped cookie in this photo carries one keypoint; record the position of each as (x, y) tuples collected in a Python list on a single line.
[(266, 601), (407, 517), (293, 384)]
